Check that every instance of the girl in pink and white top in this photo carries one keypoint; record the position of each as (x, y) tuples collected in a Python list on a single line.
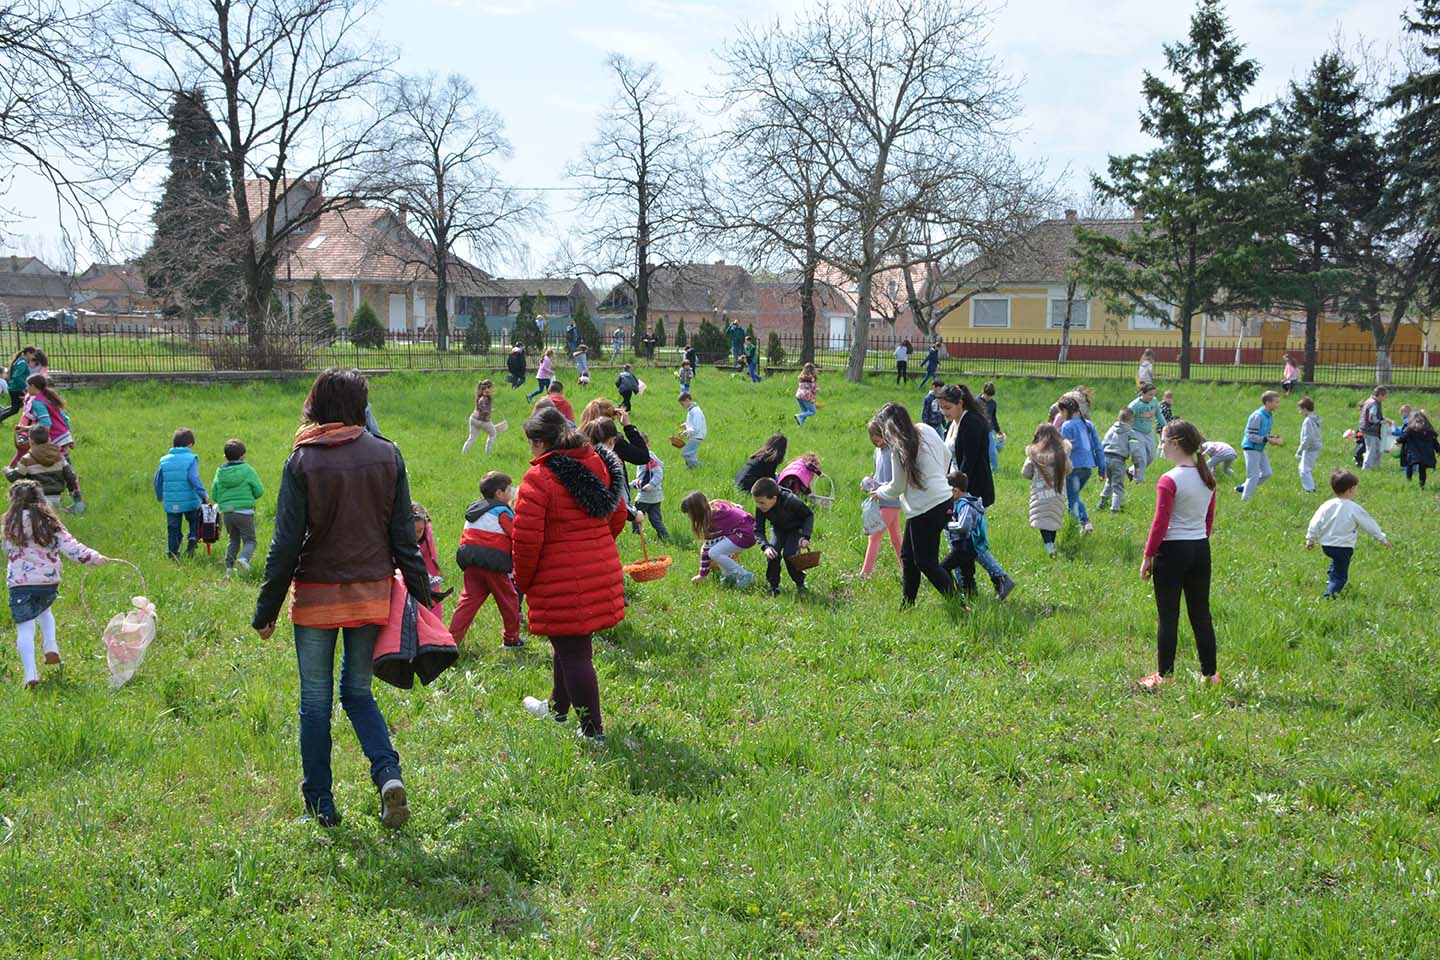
[(1177, 552), (35, 540), (544, 374)]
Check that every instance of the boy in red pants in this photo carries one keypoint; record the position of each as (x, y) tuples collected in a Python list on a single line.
[(484, 556)]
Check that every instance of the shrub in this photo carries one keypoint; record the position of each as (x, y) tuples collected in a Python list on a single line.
[(365, 328), (660, 332), (317, 317), (774, 350), (681, 340), (477, 334), (589, 335), (711, 344)]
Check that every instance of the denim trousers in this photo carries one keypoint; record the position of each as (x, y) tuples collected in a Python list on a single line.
[(172, 529), (1339, 573), (691, 452), (1073, 485), (807, 410), (315, 654)]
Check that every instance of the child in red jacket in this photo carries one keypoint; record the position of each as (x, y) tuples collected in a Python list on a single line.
[(485, 558)]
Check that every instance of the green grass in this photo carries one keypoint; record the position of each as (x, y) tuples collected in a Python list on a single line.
[(784, 778)]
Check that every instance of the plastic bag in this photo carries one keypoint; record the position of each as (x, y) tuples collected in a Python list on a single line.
[(640, 386), (127, 636), (870, 519)]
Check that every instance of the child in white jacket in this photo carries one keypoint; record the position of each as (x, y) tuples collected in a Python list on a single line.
[(1309, 449), (1334, 527)]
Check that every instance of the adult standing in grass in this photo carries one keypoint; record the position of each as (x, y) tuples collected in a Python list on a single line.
[(15, 378), (343, 524), (1177, 552), (736, 333), (902, 362), (569, 511), (918, 464), (968, 439)]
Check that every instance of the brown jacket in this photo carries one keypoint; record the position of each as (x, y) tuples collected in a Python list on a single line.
[(45, 463)]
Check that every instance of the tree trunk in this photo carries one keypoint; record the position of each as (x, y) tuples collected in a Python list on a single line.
[(1239, 342), (1382, 364), (1185, 321), (860, 329), (1065, 337), (442, 307), (807, 313), (1312, 323)]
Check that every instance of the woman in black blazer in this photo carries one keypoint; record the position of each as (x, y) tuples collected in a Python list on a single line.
[(969, 439)]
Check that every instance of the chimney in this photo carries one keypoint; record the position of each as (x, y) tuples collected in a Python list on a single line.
[(1137, 212), (719, 263), (1070, 216)]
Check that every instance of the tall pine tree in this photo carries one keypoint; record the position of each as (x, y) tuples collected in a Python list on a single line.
[(1203, 191), (1329, 165), (191, 263)]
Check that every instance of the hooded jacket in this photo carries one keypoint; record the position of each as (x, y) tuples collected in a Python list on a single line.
[(485, 541), (343, 524), (515, 363), (236, 486), (45, 463), (569, 511), (754, 469)]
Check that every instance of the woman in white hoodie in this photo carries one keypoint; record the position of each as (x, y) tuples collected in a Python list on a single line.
[(919, 461)]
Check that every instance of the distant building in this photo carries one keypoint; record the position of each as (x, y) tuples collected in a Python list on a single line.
[(113, 288), (500, 299), (26, 284), (780, 311), (691, 292)]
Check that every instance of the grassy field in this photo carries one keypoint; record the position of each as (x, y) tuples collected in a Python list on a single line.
[(823, 777)]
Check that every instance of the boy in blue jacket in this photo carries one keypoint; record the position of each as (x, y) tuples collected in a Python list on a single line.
[(178, 488), (1258, 439)]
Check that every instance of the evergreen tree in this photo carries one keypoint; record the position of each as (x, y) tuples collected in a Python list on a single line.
[(681, 340), (750, 332), (589, 335), (711, 344), (1204, 191), (477, 334), (527, 331), (317, 317), (191, 264), (660, 331), (774, 349), (365, 328), (1329, 180)]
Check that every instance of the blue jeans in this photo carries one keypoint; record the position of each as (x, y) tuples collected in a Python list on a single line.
[(754, 376), (807, 410), (1073, 485), (172, 528), (315, 653), (994, 452), (691, 452), (1339, 572), (989, 564)]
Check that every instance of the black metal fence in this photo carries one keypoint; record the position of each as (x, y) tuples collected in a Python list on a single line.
[(139, 348)]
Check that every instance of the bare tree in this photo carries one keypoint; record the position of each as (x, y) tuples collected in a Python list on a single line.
[(51, 105), (293, 96), (906, 111), (634, 180), (437, 173)]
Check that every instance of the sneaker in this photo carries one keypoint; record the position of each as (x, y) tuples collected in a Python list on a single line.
[(772, 591), (515, 644), (1050, 548), (1240, 488), (1088, 527), (1003, 587), (1211, 681), (798, 421), (1154, 682), (537, 708), (243, 564), (228, 572), (31, 684), (394, 809), (323, 813), (51, 659), (745, 581)]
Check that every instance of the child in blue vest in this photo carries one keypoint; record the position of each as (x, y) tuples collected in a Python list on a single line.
[(1258, 438), (178, 488), (969, 540)]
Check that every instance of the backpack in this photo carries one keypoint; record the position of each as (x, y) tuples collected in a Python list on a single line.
[(965, 520)]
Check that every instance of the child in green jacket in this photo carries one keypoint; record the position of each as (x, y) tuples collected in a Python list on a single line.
[(235, 489)]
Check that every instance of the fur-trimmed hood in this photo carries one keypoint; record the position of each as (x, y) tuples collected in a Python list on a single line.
[(595, 497)]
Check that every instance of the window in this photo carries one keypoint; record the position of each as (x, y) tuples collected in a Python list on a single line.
[(1144, 318), (315, 244), (989, 312), (1079, 314)]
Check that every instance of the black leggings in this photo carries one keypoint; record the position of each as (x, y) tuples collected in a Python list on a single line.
[(901, 374), (574, 682), (1183, 566), (1410, 469), (17, 402), (920, 552)]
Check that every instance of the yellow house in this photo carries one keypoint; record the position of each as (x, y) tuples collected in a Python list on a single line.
[(1020, 297)]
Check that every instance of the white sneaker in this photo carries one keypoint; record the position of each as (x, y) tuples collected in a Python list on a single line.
[(1088, 528), (537, 708), (394, 807), (1049, 548), (243, 564)]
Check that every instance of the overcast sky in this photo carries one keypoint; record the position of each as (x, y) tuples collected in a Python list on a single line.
[(540, 65)]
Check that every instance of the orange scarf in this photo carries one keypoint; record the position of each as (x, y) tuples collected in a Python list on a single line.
[(327, 434)]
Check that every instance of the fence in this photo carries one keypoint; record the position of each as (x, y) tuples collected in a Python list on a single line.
[(142, 349)]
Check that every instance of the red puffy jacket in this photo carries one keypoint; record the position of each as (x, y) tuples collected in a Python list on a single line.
[(568, 513)]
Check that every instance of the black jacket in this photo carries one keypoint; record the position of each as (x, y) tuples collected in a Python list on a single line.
[(790, 514), (754, 469), (972, 455), (1418, 449), (515, 363), (627, 382), (631, 447)]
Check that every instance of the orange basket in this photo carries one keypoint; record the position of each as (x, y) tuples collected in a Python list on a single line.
[(648, 569), (804, 560), (677, 442)]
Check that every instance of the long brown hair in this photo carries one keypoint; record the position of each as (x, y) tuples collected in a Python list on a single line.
[(696, 506), (959, 395), (481, 387), (1047, 441), (894, 423), (772, 451), (597, 408), (42, 383), (1188, 436), (15, 359), (26, 497)]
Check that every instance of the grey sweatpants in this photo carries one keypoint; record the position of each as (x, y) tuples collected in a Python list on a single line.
[(1143, 449), (241, 529), (1113, 493)]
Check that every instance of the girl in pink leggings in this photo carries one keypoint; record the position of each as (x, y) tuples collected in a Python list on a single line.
[(889, 509)]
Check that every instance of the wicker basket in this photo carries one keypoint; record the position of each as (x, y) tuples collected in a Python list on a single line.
[(804, 560), (677, 442), (651, 568)]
